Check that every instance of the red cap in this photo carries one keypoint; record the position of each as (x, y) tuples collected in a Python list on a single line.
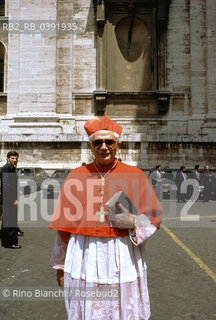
[(104, 123)]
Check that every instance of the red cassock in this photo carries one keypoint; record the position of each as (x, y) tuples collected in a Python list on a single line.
[(80, 199)]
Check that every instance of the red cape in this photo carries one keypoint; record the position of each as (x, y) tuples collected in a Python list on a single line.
[(80, 199)]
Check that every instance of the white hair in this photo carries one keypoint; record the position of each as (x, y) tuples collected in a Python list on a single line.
[(91, 137)]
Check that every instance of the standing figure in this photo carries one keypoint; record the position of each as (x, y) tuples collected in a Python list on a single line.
[(197, 172), (206, 181), (9, 200), (101, 251), (180, 177), (156, 180), (197, 177)]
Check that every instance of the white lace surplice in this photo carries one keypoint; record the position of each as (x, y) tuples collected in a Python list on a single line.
[(95, 262)]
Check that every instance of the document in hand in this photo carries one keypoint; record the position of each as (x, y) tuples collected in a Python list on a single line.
[(120, 197)]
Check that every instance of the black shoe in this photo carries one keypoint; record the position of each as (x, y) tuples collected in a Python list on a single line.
[(14, 246), (20, 233)]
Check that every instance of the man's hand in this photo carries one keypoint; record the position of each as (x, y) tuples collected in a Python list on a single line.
[(124, 220), (16, 202), (60, 278)]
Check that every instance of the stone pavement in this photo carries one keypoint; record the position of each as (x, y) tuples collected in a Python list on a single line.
[(180, 287)]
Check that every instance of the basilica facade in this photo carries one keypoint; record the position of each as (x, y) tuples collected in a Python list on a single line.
[(149, 64)]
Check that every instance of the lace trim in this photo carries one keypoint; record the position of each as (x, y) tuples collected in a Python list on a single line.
[(142, 231), (59, 250)]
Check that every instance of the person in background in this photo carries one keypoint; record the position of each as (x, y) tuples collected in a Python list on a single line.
[(156, 179), (180, 177), (197, 172), (19, 231), (9, 200), (206, 181)]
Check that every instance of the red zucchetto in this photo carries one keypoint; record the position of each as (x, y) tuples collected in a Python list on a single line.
[(104, 123)]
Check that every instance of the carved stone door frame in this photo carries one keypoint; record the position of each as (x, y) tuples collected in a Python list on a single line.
[(154, 14), (105, 39)]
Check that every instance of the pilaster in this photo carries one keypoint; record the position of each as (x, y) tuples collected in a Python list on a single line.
[(198, 56)]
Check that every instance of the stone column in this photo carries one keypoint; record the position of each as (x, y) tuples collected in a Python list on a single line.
[(84, 48), (178, 48), (32, 58), (64, 51), (38, 58), (211, 56), (198, 56), (13, 61)]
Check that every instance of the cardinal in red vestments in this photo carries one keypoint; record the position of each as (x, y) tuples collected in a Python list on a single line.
[(99, 252)]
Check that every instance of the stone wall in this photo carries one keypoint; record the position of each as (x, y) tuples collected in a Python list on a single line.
[(51, 81), (48, 155), (55, 155)]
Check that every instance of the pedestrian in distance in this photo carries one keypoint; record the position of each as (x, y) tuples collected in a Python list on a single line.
[(197, 177), (206, 181), (180, 178), (9, 200), (156, 179), (197, 172)]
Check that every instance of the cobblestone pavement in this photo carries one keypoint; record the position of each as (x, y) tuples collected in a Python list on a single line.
[(181, 260)]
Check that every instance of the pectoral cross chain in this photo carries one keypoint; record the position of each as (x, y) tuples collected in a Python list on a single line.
[(102, 213)]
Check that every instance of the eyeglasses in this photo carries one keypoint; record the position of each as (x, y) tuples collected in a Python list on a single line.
[(98, 143)]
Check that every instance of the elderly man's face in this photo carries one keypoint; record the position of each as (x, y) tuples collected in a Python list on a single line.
[(104, 147)]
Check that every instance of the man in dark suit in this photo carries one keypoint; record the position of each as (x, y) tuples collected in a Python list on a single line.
[(9, 200), (197, 172), (156, 179), (206, 181), (180, 177)]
